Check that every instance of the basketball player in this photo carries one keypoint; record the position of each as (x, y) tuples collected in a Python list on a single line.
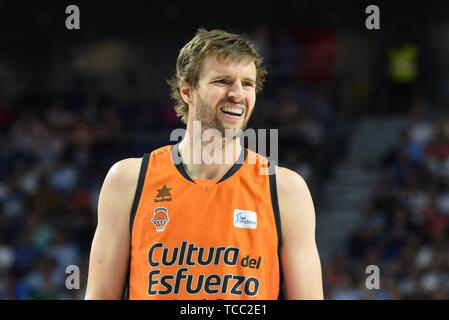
[(171, 229)]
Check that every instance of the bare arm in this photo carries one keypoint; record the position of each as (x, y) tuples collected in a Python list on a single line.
[(109, 256), (301, 264)]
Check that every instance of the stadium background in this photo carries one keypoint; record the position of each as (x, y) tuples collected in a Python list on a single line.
[(362, 116)]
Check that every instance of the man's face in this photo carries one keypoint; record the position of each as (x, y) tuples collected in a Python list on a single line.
[(226, 94)]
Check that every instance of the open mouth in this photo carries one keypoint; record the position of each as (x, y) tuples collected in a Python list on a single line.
[(231, 111)]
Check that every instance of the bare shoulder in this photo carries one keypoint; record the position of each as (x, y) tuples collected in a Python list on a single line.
[(119, 187), (295, 202), (291, 187), (124, 171), (289, 181), (290, 184)]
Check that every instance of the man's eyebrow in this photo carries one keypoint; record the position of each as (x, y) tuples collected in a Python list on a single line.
[(250, 79), (227, 76), (221, 76)]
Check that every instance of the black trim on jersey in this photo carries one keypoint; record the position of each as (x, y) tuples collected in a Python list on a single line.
[(142, 174), (236, 166), (140, 182), (275, 204), (178, 163), (277, 219)]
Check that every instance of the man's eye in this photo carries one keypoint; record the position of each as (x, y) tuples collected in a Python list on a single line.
[(223, 81), (248, 84)]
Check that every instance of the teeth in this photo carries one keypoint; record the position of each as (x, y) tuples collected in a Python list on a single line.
[(233, 110)]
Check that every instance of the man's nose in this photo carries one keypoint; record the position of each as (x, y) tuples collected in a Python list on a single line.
[(236, 92)]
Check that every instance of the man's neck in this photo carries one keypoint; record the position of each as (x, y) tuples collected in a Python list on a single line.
[(209, 160)]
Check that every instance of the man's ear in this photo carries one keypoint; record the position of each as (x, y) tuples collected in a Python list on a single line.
[(186, 92)]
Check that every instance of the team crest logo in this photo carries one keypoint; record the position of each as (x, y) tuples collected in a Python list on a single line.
[(160, 218)]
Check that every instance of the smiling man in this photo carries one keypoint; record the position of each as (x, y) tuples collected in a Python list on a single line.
[(172, 228)]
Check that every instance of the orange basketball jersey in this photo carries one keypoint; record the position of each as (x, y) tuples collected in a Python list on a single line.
[(204, 239)]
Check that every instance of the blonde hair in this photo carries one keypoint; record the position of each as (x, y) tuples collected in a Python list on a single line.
[(206, 43)]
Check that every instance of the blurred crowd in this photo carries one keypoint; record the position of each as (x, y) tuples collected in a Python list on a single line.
[(404, 224), (57, 146)]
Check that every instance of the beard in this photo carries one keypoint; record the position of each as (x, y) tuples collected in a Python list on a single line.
[(208, 116)]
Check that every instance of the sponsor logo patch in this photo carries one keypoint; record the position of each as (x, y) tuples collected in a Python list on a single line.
[(245, 219)]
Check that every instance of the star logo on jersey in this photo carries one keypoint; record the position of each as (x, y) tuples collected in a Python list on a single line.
[(163, 194)]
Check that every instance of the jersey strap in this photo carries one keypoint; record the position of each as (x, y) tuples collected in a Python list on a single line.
[(140, 182), (277, 218)]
